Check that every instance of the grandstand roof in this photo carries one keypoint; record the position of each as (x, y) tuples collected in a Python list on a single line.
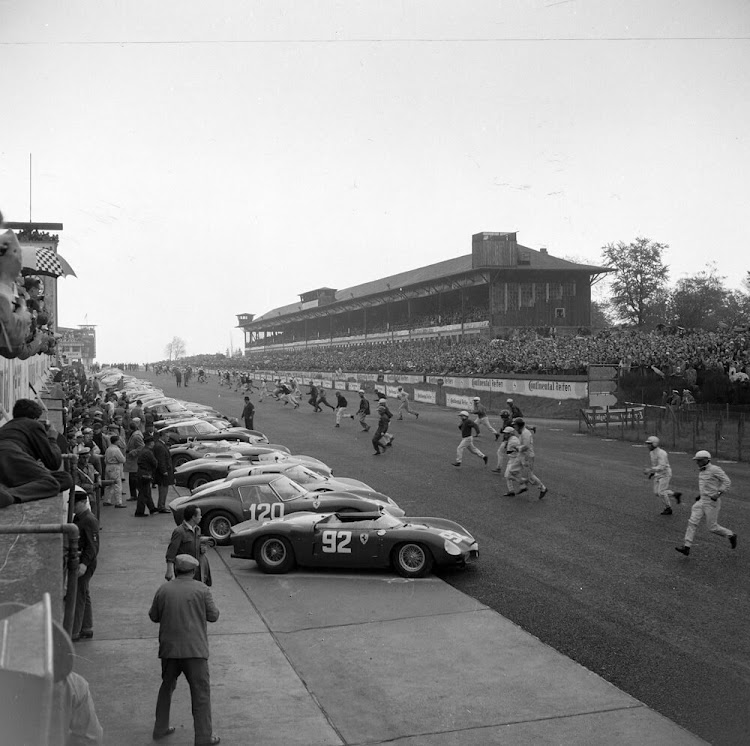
[(530, 260)]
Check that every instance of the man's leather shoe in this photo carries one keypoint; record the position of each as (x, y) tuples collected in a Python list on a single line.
[(168, 732)]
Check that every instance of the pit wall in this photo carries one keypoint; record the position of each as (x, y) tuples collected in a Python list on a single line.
[(17, 377), (549, 397)]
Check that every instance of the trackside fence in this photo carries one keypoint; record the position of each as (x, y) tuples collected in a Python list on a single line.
[(719, 429)]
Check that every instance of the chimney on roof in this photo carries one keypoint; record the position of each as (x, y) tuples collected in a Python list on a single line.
[(543, 250)]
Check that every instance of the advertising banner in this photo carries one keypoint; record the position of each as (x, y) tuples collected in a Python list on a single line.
[(457, 401), (545, 389), (427, 397)]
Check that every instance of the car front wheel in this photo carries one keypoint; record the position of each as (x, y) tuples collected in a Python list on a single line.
[(412, 560), (179, 460), (217, 525), (274, 555), (198, 480)]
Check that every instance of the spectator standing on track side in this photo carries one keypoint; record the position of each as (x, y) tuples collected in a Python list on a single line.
[(514, 409), (113, 462), (482, 418), (340, 409), (147, 466), (88, 545), (712, 484), (132, 450), (403, 397), (467, 426), (181, 609), (384, 418), (313, 400), (527, 457), (178, 376), (248, 413), (363, 411), (164, 474), (514, 468), (661, 472)]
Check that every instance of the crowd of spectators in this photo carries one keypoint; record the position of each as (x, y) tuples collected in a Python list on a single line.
[(668, 352), (39, 236)]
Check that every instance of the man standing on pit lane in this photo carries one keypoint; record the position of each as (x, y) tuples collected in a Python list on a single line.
[(248, 413), (363, 411), (661, 472), (467, 427), (482, 419), (403, 397), (712, 484), (88, 545), (181, 608)]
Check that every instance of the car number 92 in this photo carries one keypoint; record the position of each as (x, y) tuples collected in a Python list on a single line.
[(337, 542), (265, 511), (454, 536)]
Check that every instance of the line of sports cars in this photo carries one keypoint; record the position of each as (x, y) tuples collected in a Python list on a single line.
[(282, 509)]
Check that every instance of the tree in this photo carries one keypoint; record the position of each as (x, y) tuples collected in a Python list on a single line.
[(639, 284), (702, 301), (600, 315), (175, 349)]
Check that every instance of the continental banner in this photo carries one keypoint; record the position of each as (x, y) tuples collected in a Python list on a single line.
[(425, 396), (544, 389)]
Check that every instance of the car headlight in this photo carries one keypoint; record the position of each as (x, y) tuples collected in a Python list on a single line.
[(451, 548)]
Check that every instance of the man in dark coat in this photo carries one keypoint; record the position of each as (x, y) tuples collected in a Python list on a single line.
[(147, 466), (88, 544), (181, 609), (186, 539), (248, 413), (164, 475), (24, 442)]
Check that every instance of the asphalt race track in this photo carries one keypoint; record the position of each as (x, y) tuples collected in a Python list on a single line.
[(591, 569)]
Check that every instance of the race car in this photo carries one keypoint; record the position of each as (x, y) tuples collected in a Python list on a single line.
[(309, 478), (228, 502), (194, 450), (411, 546), (198, 429), (200, 471)]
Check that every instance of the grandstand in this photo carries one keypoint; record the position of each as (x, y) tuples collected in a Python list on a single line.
[(500, 286)]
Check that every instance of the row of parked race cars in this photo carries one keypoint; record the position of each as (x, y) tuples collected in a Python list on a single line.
[(282, 509)]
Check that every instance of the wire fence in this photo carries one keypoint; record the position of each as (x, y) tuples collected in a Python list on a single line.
[(719, 429)]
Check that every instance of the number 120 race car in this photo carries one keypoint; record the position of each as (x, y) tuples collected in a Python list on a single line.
[(411, 546)]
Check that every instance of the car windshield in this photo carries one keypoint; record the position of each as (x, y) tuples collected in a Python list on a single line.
[(286, 489), (302, 475), (203, 428), (220, 425)]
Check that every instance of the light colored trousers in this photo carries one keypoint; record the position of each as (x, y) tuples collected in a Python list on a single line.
[(467, 443), (710, 509), (661, 489)]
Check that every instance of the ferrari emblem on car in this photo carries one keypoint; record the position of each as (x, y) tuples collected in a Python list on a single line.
[(363, 538)]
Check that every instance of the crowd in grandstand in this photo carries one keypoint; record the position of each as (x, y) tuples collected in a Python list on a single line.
[(671, 352)]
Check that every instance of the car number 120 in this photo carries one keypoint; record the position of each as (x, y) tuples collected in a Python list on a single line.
[(337, 542), (265, 511)]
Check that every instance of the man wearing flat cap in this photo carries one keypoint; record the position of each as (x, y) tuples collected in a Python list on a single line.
[(181, 608)]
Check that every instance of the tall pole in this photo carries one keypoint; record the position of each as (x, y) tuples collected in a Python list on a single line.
[(29, 187)]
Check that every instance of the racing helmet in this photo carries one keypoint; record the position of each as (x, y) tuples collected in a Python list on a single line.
[(505, 413), (519, 421), (702, 454), (652, 440), (509, 430)]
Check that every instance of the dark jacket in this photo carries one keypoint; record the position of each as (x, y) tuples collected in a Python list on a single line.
[(467, 427), (164, 470), (248, 411), (182, 607), (88, 538), (364, 405), (30, 436), (147, 463), (340, 401)]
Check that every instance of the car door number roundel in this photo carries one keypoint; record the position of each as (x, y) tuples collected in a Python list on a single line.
[(265, 511), (337, 542), (453, 536)]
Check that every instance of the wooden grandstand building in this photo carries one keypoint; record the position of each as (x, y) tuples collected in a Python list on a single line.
[(499, 287)]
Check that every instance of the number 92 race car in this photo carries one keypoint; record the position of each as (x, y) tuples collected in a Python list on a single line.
[(411, 546)]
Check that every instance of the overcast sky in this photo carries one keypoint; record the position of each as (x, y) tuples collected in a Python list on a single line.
[(213, 158)]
